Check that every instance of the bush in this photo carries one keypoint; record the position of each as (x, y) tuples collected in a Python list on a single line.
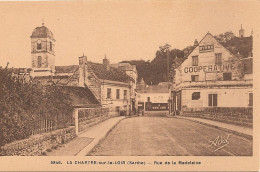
[(21, 104)]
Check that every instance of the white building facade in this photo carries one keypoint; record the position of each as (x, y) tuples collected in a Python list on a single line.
[(153, 98), (211, 76)]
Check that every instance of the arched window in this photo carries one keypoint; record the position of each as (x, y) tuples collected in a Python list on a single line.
[(39, 61), (39, 46), (50, 45)]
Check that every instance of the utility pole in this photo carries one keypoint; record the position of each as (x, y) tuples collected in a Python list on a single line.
[(167, 63), (168, 78)]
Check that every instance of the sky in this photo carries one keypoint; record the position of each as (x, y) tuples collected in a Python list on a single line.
[(121, 30)]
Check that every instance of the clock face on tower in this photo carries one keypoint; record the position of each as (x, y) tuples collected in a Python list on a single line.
[(39, 41)]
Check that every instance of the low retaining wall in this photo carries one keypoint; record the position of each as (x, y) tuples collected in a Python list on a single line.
[(92, 116), (236, 115), (38, 144)]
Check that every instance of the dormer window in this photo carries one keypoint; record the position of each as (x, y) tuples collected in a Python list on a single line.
[(39, 44)]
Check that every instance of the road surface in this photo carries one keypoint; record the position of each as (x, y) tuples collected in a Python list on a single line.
[(162, 136)]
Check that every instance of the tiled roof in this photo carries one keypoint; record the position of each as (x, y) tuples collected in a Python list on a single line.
[(112, 74), (42, 32), (80, 96), (66, 69), (124, 66)]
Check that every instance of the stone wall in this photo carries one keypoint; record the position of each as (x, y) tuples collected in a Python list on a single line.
[(235, 115), (38, 144), (92, 116)]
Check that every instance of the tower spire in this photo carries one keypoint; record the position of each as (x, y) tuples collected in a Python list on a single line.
[(241, 32)]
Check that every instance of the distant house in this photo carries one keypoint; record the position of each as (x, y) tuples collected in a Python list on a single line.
[(131, 71), (153, 97)]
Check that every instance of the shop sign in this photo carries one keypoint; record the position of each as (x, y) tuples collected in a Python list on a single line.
[(209, 68)]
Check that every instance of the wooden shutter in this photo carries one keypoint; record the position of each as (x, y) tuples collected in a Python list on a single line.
[(215, 99), (210, 99)]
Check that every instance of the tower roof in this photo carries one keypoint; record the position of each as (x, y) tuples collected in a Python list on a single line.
[(42, 32)]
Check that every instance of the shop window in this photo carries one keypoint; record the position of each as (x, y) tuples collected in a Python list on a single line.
[(227, 76), (213, 99), (218, 57), (194, 78), (117, 94), (195, 96), (108, 93), (195, 60), (250, 99)]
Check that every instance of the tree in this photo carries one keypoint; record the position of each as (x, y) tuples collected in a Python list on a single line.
[(225, 37)]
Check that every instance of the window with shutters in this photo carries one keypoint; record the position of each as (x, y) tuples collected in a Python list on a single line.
[(218, 57), (213, 100), (195, 60)]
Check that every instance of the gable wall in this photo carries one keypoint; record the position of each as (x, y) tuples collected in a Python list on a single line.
[(207, 69)]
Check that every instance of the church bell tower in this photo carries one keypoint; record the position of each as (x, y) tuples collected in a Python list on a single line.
[(42, 51)]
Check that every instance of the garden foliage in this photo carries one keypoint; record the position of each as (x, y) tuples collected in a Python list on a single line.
[(24, 104)]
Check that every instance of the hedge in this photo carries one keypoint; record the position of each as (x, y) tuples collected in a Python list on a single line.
[(21, 104)]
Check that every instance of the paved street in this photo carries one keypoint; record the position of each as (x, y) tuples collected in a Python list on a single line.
[(158, 135)]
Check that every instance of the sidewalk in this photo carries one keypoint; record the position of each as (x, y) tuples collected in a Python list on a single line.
[(239, 130), (86, 140)]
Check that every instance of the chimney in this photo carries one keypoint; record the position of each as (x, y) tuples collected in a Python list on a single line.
[(82, 60), (106, 63), (82, 70), (196, 43)]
